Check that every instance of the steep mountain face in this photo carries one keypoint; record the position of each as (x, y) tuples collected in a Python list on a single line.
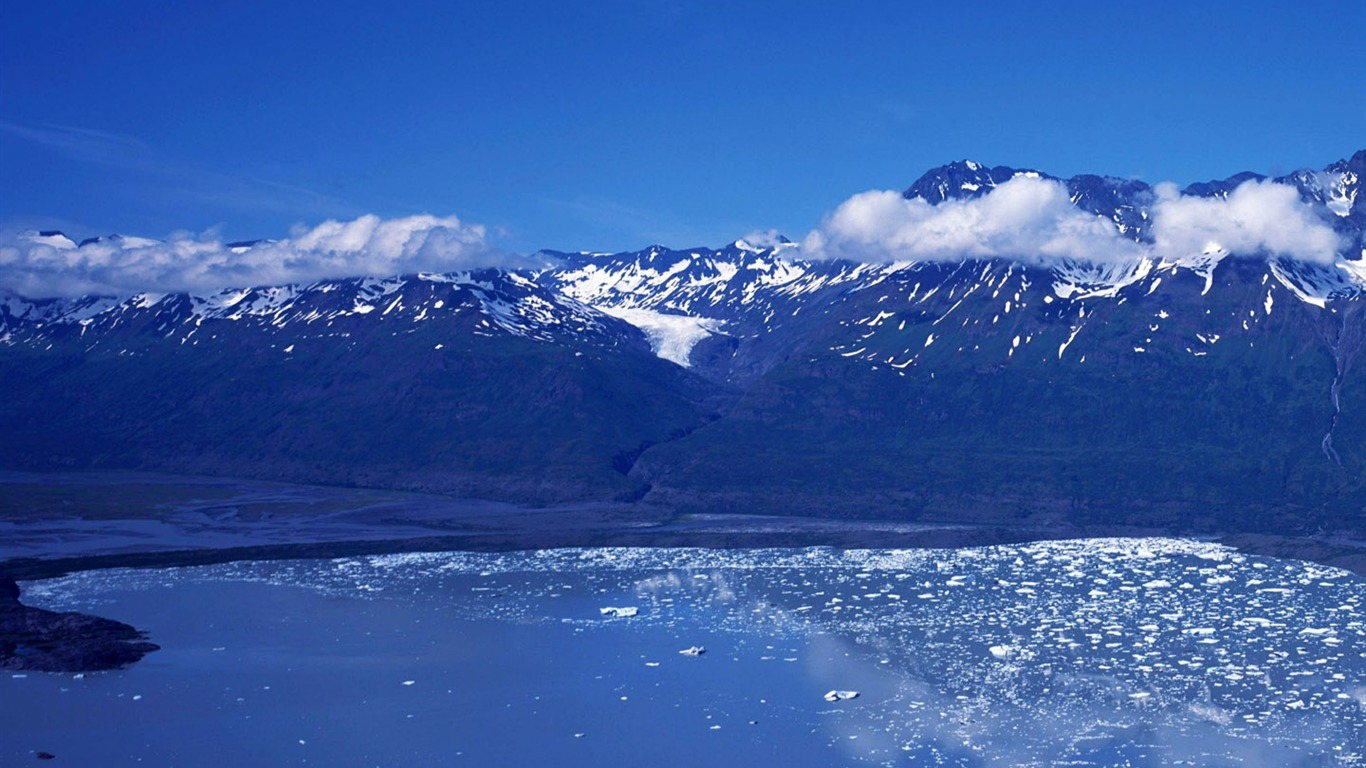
[(963, 180), (477, 384), (730, 313), (1120, 200), (1203, 392), (1214, 391), (1337, 189), (973, 391)]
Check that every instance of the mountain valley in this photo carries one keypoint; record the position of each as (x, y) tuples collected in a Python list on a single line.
[(1214, 391)]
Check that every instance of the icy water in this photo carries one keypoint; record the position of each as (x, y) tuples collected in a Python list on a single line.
[(1101, 652)]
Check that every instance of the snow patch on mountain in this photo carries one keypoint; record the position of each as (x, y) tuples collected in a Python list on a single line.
[(699, 282), (51, 239), (1085, 280), (512, 303), (1093, 237), (1317, 284)]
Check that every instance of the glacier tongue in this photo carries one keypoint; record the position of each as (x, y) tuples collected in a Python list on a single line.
[(672, 337)]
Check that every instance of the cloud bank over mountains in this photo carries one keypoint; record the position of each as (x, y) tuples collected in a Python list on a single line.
[(40, 267), (1027, 218), (1033, 219), (1257, 218)]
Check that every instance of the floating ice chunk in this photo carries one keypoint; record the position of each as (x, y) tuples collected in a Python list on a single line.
[(619, 613), (409, 682), (1001, 651), (695, 650), (841, 695)]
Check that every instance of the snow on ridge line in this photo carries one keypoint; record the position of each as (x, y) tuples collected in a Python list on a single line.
[(516, 306), (694, 277), (662, 300), (622, 282), (1317, 284)]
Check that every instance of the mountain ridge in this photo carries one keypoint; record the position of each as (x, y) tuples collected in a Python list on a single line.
[(1214, 391)]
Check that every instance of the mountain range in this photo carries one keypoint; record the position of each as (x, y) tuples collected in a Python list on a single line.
[(1213, 391)]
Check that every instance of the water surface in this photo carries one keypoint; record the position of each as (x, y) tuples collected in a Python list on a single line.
[(1099, 652)]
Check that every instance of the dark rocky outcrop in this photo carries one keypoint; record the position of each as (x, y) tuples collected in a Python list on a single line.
[(39, 640)]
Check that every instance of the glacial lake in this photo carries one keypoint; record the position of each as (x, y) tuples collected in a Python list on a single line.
[(1138, 652)]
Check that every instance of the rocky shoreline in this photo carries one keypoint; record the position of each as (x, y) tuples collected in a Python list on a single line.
[(39, 640)]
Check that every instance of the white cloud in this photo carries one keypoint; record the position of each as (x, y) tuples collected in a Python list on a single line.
[(1026, 218), (334, 249), (1259, 218), (765, 238), (1033, 219)]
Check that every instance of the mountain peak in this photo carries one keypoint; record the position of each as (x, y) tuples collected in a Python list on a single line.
[(122, 241), (53, 238), (962, 180), (1220, 187)]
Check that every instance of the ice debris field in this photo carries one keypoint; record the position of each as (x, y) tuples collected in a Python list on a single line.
[(1086, 652)]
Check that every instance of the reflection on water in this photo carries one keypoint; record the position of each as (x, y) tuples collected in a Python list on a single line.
[(1100, 652)]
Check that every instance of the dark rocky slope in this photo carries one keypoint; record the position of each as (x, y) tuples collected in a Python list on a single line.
[(38, 640)]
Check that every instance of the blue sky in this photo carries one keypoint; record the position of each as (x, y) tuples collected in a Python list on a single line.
[(616, 124)]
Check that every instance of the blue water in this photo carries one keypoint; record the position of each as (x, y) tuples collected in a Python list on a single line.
[(1105, 652)]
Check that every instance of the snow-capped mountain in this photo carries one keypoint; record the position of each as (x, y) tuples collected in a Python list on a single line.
[(702, 306), (489, 301), (451, 382), (1120, 200), (1206, 386), (681, 299), (742, 296), (964, 179)]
